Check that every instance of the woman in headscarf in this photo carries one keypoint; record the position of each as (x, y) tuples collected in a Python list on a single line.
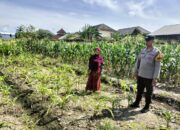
[(95, 68)]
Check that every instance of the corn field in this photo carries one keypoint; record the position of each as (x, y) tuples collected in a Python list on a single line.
[(119, 57), (44, 81)]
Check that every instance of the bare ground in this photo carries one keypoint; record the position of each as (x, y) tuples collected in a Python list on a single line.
[(26, 109)]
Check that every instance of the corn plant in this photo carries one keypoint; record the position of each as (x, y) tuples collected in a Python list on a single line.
[(107, 126), (124, 87), (116, 104), (60, 101), (119, 58), (131, 94), (44, 91), (29, 123), (137, 126), (3, 125), (168, 117), (130, 98), (100, 105)]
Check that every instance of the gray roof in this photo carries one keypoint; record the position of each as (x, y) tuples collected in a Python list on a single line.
[(104, 27), (130, 30), (63, 37), (70, 36), (167, 30), (6, 35), (61, 31)]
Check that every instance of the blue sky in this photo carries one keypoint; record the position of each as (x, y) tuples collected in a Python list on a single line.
[(72, 15)]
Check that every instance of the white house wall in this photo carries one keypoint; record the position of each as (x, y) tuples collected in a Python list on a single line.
[(106, 34)]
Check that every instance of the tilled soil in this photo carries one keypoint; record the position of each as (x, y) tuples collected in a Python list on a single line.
[(85, 111), (75, 118)]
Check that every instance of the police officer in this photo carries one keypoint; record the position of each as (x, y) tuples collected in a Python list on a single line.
[(147, 69)]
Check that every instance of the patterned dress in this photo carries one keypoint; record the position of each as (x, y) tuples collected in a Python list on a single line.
[(95, 67)]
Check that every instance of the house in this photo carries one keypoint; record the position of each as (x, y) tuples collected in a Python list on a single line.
[(6, 35), (168, 33), (104, 30), (133, 31), (72, 37), (59, 34)]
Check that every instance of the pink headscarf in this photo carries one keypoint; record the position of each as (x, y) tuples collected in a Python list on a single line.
[(98, 49), (98, 58)]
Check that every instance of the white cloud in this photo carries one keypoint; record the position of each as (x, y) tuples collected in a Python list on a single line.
[(135, 9), (86, 15), (53, 21), (111, 4), (5, 28), (127, 13), (73, 14), (142, 9)]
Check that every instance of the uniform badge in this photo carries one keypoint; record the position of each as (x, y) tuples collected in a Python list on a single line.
[(159, 57)]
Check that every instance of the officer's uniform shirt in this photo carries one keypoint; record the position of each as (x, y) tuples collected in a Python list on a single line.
[(148, 64)]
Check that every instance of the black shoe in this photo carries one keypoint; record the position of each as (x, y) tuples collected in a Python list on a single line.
[(144, 110), (134, 105)]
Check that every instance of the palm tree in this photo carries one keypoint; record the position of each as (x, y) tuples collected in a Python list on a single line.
[(116, 36), (89, 33)]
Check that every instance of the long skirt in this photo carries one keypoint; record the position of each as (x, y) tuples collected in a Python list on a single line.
[(94, 81)]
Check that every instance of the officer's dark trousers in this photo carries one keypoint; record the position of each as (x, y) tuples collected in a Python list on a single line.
[(141, 84)]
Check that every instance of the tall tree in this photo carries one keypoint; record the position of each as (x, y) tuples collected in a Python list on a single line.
[(89, 33), (41, 34), (25, 32), (30, 32), (30, 28), (20, 31), (116, 36)]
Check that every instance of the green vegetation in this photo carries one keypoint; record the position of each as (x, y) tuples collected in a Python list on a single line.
[(49, 77), (30, 32), (107, 125), (89, 33), (119, 57), (168, 117)]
